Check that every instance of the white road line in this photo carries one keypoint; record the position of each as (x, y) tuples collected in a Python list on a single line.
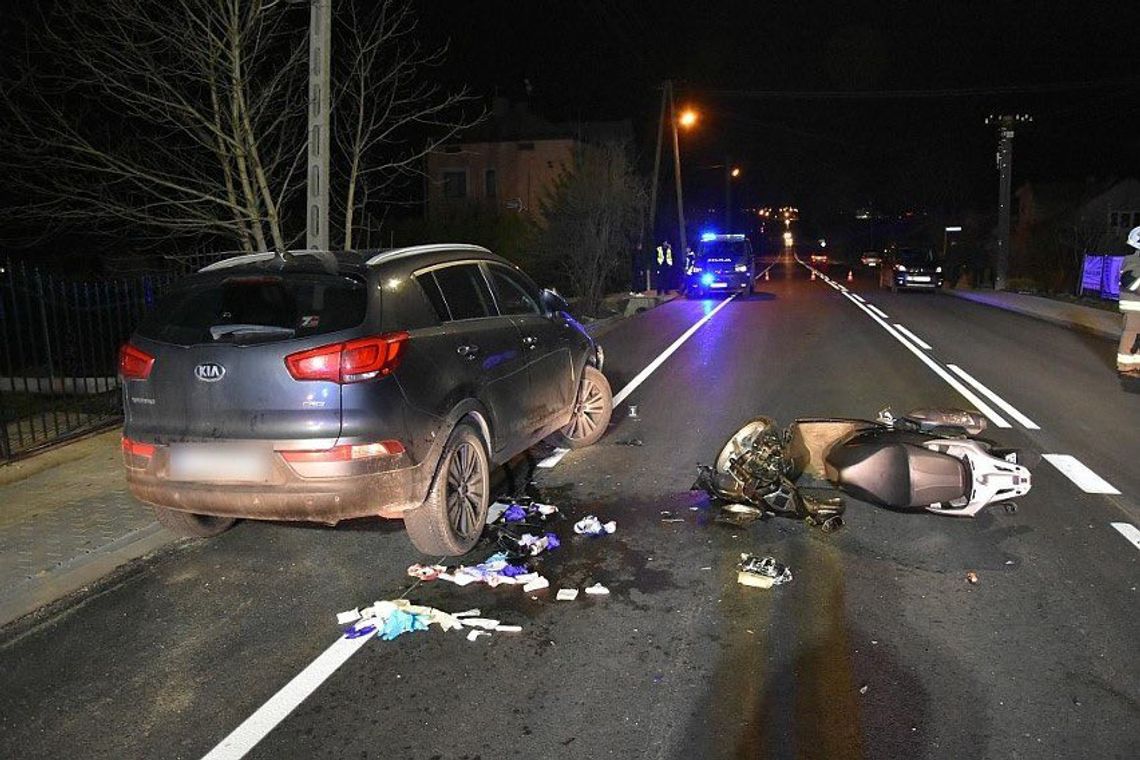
[(952, 381), (1129, 531), (1001, 402), (858, 297), (556, 456), (641, 377), (258, 725), (1075, 470), (917, 340), (878, 311)]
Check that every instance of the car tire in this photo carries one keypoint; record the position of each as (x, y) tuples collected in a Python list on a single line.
[(453, 515), (593, 407), (191, 525)]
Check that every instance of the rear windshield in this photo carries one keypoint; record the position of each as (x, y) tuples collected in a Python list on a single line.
[(725, 252), (257, 308), (915, 257)]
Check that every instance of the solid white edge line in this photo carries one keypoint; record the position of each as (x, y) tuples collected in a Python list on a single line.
[(918, 341), (1129, 531), (1076, 471), (650, 368), (1001, 402), (554, 458), (952, 381), (255, 728), (878, 311), (858, 297)]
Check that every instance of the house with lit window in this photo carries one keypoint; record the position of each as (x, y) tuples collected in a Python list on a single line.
[(510, 160)]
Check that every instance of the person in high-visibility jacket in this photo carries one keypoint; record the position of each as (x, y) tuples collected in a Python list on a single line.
[(664, 267), (1128, 354)]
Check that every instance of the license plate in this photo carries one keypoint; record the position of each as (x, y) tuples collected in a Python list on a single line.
[(919, 278), (219, 462), (719, 285)]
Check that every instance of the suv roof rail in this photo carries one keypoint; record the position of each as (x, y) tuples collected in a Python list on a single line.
[(247, 258), (413, 250)]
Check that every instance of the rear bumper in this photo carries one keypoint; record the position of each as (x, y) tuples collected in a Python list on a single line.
[(720, 283), (384, 488), (935, 281)]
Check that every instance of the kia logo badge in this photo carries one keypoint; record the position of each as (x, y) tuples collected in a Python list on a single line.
[(209, 372)]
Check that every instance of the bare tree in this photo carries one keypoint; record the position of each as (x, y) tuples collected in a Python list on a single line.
[(388, 115), (592, 217), (187, 118)]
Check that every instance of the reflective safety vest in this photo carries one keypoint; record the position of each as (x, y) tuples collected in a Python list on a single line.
[(1130, 283), (665, 255)]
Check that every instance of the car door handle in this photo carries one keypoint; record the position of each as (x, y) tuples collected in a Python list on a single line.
[(467, 351), (530, 341)]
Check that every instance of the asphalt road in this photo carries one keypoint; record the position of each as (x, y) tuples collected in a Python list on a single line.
[(878, 648)]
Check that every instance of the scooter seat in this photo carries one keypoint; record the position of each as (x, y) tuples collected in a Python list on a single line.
[(896, 473)]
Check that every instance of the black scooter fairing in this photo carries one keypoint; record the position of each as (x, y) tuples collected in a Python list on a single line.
[(893, 468)]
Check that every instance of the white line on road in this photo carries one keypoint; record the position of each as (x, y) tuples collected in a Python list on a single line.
[(858, 297), (1075, 470), (257, 726), (936, 368), (1129, 531), (917, 340), (878, 311), (641, 377), (554, 458), (1001, 402)]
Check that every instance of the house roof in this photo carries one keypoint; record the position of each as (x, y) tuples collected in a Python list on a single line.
[(515, 122)]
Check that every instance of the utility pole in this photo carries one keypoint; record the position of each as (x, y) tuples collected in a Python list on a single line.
[(1005, 124), (727, 195), (647, 253), (320, 104), (684, 250)]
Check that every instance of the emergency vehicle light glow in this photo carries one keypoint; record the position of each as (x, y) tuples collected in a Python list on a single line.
[(707, 236), (707, 279)]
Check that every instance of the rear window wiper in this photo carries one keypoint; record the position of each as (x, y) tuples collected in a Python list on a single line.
[(237, 332)]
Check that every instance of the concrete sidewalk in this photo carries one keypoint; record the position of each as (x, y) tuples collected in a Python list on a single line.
[(66, 520), (1088, 319)]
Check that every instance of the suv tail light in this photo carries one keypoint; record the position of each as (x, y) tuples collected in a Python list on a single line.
[(349, 362), (137, 455), (346, 452), (134, 363)]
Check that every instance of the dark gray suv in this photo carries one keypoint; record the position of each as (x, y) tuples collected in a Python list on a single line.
[(325, 386)]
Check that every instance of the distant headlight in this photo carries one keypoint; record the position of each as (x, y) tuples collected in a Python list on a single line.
[(900, 268), (938, 270), (741, 267)]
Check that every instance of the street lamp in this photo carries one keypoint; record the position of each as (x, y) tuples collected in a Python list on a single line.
[(688, 118)]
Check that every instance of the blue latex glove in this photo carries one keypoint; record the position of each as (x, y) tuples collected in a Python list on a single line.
[(514, 513), (400, 622)]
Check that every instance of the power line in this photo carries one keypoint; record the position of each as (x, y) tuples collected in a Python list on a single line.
[(969, 92)]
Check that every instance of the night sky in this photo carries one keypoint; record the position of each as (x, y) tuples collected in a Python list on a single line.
[(1073, 66)]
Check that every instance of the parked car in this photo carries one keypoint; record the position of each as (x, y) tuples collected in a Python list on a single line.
[(819, 259), (326, 386), (871, 259), (911, 268)]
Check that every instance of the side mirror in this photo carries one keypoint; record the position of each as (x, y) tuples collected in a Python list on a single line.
[(552, 303)]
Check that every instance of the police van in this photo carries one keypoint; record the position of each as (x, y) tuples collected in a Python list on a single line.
[(721, 264)]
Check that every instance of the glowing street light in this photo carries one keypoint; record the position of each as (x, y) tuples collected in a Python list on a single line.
[(735, 171), (688, 118)]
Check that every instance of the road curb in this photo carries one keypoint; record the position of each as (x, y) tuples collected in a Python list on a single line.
[(81, 571), (1071, 316)]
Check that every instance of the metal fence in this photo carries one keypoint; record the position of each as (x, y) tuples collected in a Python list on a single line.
[(59, 360)]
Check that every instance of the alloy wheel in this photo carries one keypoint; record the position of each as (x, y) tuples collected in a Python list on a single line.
[(466, 490), (588, 412)]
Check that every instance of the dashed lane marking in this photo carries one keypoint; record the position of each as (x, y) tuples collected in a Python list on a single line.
[(1129, 531), (917, 340), (877, 311), (1075, 470)]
